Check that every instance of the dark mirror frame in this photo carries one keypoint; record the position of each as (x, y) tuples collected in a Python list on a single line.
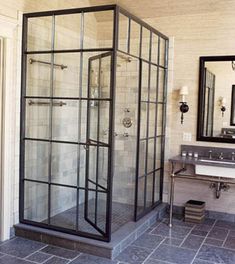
[(201, 99)]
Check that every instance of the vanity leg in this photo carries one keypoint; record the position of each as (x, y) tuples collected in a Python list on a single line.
[(171, 198)]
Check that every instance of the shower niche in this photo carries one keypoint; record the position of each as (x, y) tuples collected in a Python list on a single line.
[(93, 113)]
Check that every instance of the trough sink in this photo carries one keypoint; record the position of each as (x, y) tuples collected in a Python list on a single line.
[(220, 168)]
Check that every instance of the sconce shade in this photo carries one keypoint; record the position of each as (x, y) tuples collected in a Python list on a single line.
[(184, 90), (223, 101)]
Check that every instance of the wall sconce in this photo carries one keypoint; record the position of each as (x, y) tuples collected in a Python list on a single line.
[(222, 103), (184, 106)]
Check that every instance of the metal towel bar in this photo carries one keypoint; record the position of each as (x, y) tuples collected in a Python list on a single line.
[(31, 102), (62, 66)]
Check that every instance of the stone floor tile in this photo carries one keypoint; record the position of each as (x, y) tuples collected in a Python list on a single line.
[(173, 254), (216, 254), (13, 260), (56, 260), (134, 255), (199, 233), (179, 222), (154, 261), (225, 224), (20, 247), (89, 259), (38, 257), (193, 242), (172, 241), (199, 261), (203, 227), (230, 242), (218, 233), (175, 231), (60, 252), (213, 242), (148, 241)]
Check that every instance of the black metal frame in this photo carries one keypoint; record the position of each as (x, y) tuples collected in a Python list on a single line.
[(201, 95), (232, 116), (113, 50)]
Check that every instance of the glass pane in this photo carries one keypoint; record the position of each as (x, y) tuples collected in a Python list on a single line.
[(63, 207), (100, 77), (36, 160), (101, 210), (38, 75), (159, 119), (162, 52), (83, 225), (152, 119), (158, 153), (67, 31), (82, 165), (66, 79), (145, 81), (145, 43), (141, 191), (153, 84), (105, 77), (135, 39), (103, 166), (154, 55), (65, 120), (142, 157), (104, 121), (150, 155), (143, 120), (98, 29), (37, 118), (149, 191), (92, 164), (157, 186), (91, 206), (161, 85), (83, 122), (36, 202), (91, 74), (39, 33), (93, 124), (64, 164), (123, 32)]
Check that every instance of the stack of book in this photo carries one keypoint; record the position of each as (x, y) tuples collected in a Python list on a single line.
[(195, 211)]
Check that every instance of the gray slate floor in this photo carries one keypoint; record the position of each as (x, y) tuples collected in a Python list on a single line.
[(210, 243)]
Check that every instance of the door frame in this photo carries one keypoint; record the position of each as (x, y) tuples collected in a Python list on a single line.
[(10, 33)]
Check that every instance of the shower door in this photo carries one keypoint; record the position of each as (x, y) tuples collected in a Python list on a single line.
[(98, 146)]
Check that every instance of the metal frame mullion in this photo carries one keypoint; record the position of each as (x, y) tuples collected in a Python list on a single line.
[(22, 119), (156, 118), (164, 117), (112, 124), (129, 35), (138, 129), (98, 145), (79, 120), (51, 119)]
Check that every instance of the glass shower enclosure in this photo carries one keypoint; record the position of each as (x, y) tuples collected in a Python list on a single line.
[(93, 114)]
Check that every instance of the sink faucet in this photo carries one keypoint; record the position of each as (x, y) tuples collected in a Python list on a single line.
[(233, 155), (221, 156), (210, 154)]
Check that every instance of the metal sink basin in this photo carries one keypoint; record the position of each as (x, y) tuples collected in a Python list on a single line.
[(218, 169), (228, 162)]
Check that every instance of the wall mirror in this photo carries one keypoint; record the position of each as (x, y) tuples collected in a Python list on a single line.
[(216, 104)]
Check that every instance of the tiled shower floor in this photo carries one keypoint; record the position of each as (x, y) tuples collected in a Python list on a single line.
[(210, 243), (122, 213)]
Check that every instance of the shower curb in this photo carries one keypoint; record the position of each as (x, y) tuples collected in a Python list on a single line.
[(120, 239)]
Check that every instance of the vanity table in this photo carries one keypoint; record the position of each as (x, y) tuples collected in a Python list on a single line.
[(220, 172)]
